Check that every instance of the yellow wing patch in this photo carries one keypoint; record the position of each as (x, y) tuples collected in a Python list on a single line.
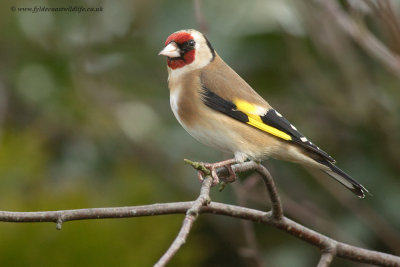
[(245, 106), (269, 129), (255, 120)]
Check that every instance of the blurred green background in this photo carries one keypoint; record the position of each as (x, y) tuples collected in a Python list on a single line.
[(85, 122)]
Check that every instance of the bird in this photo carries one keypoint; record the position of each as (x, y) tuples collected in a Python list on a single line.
[(221, 110)]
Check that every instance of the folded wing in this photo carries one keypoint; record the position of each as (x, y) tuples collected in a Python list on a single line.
[(266, 120)]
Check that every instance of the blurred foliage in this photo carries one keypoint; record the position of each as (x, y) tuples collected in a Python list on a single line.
[(85, 122)]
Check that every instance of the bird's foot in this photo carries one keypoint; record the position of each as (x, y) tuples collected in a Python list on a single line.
[(211, 169), (228, 165)]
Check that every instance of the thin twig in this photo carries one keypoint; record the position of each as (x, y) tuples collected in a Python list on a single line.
[(198, 12), (326, 258), (191, 216), (363, 37), (391, 20)]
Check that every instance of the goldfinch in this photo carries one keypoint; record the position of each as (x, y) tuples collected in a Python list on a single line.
[(219, 109)]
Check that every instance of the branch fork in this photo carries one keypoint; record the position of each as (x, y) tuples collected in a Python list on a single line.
[(330, 248)]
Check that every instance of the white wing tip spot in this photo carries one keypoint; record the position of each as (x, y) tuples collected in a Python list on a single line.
[(294, 128), (303, 139), (278, 114)]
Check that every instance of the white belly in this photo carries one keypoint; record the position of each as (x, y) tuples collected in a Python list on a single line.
[(173, 100), (210, 134)]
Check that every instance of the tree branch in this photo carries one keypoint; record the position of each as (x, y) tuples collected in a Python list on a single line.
[(324, 243), (326, 258), (287, 225), (191, 216), (276, 205)]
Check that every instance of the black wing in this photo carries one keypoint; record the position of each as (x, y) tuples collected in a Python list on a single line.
[(272, 122), (275, 119)]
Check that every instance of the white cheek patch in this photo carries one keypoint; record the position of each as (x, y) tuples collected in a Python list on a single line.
[(196, 36), (202, 57)]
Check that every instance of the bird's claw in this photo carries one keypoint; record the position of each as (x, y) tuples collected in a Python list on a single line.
[(213, 169), (214, 176)]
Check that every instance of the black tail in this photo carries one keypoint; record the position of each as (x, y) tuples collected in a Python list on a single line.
[(345, 179)]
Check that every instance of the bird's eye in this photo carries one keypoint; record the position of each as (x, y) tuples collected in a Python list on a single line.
[(191, 43)]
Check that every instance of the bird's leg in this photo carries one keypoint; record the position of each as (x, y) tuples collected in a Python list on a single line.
[(214, 166)]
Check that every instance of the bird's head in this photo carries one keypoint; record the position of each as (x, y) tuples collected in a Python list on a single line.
[(187, 48)]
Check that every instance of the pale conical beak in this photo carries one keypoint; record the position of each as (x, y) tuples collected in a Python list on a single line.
[(171, 50)]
